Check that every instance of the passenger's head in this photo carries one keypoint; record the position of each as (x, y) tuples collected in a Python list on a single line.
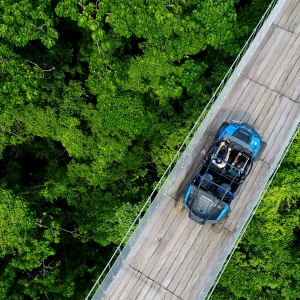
[(239, 164), (219, 163), (224, 149)]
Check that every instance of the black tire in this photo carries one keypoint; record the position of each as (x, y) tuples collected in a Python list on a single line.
[(221, 129), (218, 227), (260, 151), (179, 204)]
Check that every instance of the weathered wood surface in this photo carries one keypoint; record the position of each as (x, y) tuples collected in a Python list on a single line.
[(174, 256)]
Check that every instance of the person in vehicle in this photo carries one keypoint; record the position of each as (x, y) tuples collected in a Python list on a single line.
[(238, 166), (219, 158)]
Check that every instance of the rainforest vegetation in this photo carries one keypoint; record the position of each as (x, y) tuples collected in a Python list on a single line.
[(95, 99)]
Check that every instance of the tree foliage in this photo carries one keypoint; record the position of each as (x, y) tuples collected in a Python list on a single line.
[(95, 99)]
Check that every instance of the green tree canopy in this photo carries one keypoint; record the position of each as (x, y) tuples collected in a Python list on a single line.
[(95, 99)]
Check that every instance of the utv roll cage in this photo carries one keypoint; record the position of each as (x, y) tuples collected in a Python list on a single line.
[(217, 185)]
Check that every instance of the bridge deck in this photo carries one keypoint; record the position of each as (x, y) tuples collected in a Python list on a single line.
[(174, 257)]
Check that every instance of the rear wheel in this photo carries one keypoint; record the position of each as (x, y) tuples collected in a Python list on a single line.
[(218, 227), (179, 204)]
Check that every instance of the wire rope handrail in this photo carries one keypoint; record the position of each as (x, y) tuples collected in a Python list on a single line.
[(146, 211)]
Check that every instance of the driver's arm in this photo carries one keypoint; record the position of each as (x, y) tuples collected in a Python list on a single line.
[(228, 154), (245, 164), (237, 158), (221, 145)]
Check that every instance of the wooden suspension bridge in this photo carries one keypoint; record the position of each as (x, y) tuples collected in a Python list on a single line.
[(176, 258)]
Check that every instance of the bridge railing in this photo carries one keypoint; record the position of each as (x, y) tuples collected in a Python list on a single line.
[(116, 261)]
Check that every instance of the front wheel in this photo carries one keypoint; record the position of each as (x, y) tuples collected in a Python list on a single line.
[(179, 204), (221, 129), (260, 151)]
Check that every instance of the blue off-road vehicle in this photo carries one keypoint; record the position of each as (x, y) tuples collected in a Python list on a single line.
[(220, 175)]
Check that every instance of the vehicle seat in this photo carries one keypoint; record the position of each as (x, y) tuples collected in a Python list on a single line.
[(224, 190), (206, 181)]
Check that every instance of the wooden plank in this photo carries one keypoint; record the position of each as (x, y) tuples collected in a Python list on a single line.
[(288, 84), (173, 247), (243, 102), (245, 198), (131, 284), (269, 109), (200, 255), (209, 266), (152, 292), (190, 167), (160, 294), (267, 54), (297, 29), (292, 21), (240, 199), (238, 89), (169, 296), (288, 73), (293, 86), (146, 288), (122, 294), (296, 20), (240, 101), (134, 292), (120, 282), (264, 45), (272, 118), (194, 254), (173, 262), (273, 35), (282, 11), (165, 216), (242, 210), (206, 258), (267, 101), (282, 62), (186, 254), (166, 205), (276, 124), (296, 93), (173, 218), (185, 175), (287, 15), (164, 248), (267, 70), (256, 106), (281, 131)]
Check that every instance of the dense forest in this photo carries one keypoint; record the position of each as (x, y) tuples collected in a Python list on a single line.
[(95, 99)]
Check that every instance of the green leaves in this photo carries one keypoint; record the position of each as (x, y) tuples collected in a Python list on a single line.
[(23, 22), (95, 99)]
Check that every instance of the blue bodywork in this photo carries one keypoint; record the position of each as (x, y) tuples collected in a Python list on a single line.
[(255, 140), (208, 197), (187, 194), (223, 212)]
